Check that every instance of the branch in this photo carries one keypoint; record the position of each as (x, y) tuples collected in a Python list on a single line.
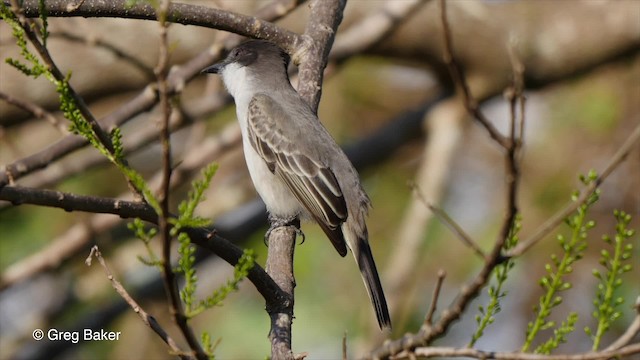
[(449, 223), (374, 28), (559, 217), (147, 319), (204, 238), (280, 267), (98, 42), (479, 354), (470, 291), (630, 333), (101, 135), (186, 14), (171, 287), (313, 54), (459, 79), (40, 160), (428, 320), (35, 110)]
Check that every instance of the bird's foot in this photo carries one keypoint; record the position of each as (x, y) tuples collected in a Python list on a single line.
[(276, 222)]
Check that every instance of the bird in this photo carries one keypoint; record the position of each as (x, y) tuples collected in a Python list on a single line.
[(296, 166)]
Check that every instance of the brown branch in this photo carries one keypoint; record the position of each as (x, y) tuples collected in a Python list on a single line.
[(131, 59), (102, 136), (147, 319), (428, 319), (77, 237), (204, 238), (146, 99), (35, 110), (19, 168), (81, 106), (280, 267), (186, 14), (169, 277), (461, 83), (313, 53), (427, 332), (479, 354), (450, 223), (171, 287), (374, 28), (559, 217)]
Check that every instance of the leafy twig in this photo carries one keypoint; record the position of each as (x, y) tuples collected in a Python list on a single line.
[(615, 266)]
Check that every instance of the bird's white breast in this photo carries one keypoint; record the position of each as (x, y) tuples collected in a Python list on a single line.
[(275, 194)]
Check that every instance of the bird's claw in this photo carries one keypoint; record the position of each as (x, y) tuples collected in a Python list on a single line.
[(276, 222)]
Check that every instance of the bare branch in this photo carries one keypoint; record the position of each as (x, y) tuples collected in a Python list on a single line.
[(35, 110), (96, 41), (102, 136), (468, 292), (460, 81), (428, 320), (479, 354), (312, 55), (186, 14), (127, 209), (147, 319), (280, 267), (559, 217), (141, 103), (374, 28), (450, 223), (171, 287)]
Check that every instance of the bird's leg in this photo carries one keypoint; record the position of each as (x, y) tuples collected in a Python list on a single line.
[(276, 222)]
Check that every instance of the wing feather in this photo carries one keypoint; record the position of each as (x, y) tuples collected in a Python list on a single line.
[(312, 182)]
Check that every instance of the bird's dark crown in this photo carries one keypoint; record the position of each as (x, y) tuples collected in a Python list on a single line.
[(251, 51)]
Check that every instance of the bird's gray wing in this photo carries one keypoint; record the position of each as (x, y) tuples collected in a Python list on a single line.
[(311, 182)]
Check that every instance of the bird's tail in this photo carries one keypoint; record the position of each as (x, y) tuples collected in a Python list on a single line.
[(364, 258)]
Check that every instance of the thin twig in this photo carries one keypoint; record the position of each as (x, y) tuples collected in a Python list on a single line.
[(344, 346), (82, 107), (102, 136), (205, 238), (449, 223), (460, 81), (148, 320), (374, 28), (470, 291), (35, 110), (131, 59), (186, 14), (559, 217), (428, 320), (479, 354)]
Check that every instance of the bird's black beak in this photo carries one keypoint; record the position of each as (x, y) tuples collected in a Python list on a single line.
[(214, 69)]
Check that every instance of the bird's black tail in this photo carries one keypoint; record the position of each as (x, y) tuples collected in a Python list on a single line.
[(364, 258)]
